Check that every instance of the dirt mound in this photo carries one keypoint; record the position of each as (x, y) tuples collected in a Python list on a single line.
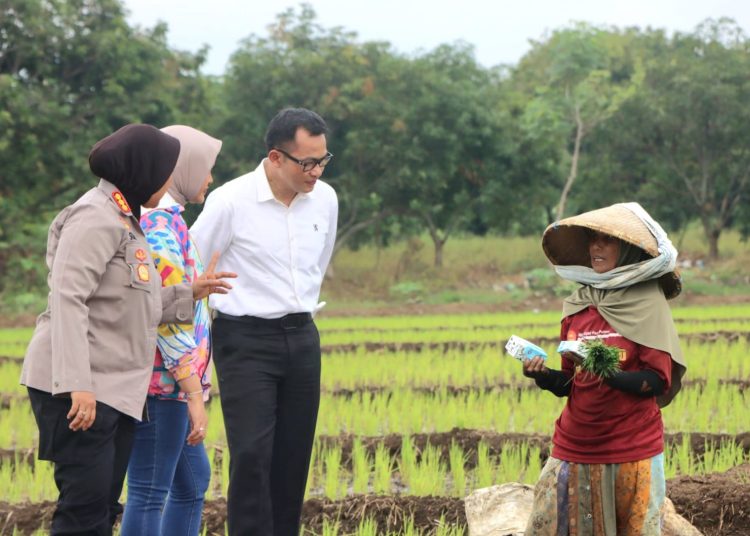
[(25, 518), (390, 513), (717, 504)]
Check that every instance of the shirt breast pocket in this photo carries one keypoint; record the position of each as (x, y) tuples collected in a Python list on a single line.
[(138, 260), (313, 239)]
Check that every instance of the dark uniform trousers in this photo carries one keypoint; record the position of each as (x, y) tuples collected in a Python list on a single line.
[(269, 384), (90, 466)]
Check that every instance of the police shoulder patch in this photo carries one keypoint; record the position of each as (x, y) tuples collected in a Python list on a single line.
[(122, 204)]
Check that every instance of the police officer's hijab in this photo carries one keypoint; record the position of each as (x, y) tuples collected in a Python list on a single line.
[(138, 159)]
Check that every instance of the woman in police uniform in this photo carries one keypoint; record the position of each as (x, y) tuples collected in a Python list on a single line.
[(88, 365)]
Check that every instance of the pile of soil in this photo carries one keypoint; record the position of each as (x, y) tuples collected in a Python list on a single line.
[(717, 504)]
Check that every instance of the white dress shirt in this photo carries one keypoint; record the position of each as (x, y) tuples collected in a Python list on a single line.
[(280, 253)]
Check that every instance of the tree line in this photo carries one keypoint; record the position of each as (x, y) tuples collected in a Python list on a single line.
[(430, 143)]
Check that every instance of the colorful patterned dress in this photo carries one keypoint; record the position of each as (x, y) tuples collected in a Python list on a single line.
[(182, 349)]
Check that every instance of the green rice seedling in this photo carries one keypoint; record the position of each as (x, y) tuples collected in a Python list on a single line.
[(680, 459), (215, 429), (367, 527), (601, 360), (18, 426), (722, 457), (429, 475), (10, 371), (457, 459), (361, 467), (224, 486), (332, 479), (408, 462), (25, 483), (330, 528), (409, 529), (444, 529), (314, 470), (383, 470), (211, 453), (510, 465), (483, 473), (533, 466)]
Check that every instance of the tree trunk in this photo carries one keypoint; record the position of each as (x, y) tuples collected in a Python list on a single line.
[(439, 253), (437, 241), (573, 167), (713, 243)]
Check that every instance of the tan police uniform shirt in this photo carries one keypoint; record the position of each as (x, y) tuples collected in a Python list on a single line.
[(105, 303)]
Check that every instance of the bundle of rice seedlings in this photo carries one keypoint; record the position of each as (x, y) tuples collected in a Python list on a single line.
[(600, 359)]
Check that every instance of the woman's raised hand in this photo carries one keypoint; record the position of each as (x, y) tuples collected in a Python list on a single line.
[(211, 281)]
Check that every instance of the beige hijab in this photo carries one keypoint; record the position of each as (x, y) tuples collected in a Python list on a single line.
[(639, 313), (198, 152)]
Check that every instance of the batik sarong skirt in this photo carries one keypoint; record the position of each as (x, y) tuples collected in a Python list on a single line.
[(613, 499)]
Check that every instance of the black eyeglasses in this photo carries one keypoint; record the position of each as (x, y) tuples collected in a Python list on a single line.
[(307, 164)]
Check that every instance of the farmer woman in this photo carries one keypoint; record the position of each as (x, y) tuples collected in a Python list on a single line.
[(89, 362), (169, 471), (605, 475)]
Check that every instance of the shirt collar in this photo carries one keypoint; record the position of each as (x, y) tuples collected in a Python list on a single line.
[(263, 188), (107, 187)]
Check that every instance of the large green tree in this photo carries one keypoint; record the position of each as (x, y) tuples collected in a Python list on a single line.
[(71, 71), (696, 125), (576, 82), (300, 63)]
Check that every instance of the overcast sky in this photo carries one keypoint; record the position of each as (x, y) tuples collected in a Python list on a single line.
[(499, 30)]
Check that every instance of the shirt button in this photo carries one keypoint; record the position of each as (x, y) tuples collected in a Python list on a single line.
[(57, 384), (588, 516)]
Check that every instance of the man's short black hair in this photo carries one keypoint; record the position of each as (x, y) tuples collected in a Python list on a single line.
[(284, 125)]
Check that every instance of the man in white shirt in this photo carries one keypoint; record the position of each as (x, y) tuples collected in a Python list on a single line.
[(276, 227)]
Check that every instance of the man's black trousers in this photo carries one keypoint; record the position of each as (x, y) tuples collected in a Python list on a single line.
[(269, 383)]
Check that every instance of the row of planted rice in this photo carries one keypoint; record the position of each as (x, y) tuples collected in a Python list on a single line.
[(428, 406)]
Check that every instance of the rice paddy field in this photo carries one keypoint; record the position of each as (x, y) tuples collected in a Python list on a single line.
[(419, 411)]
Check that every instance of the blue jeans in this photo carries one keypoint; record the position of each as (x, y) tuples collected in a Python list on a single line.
[(167, 478)]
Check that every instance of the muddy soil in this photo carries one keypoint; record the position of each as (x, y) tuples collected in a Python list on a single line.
[(467, 440), (717, 504)]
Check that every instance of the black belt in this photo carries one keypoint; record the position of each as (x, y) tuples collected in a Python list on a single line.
[(290, 321)]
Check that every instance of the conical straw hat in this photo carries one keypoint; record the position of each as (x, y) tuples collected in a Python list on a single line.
[(566, 242)]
